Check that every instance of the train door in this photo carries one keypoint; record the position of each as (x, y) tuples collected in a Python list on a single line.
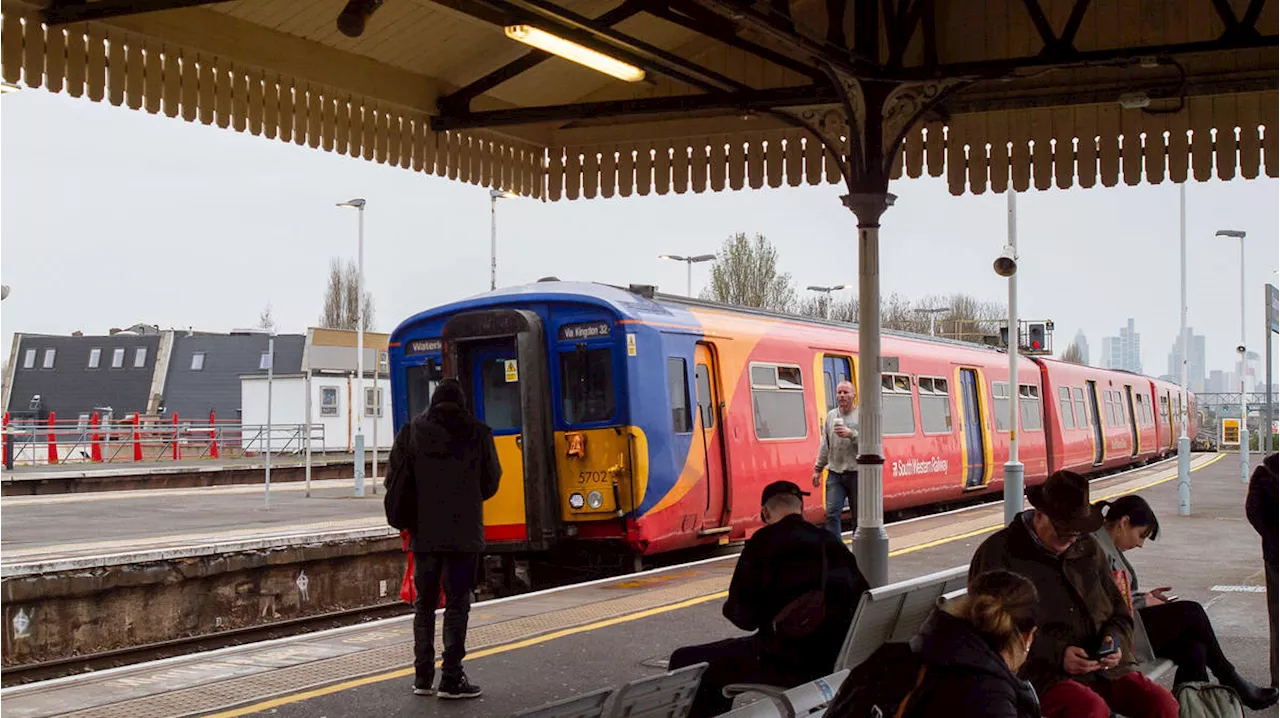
[(1099, 441), (494, 381), (975, 457), (1133, 418), (707, 432)]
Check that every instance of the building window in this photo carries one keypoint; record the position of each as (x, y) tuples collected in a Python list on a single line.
[(899, 412), (95, 358), (140, 358), (1082, 412), (1029, 407), (777, 400), (1000, 396), (328, 400), (678, 391), (264, 361), (373, 401), (117, 357), (29, 359), (197, 361), (1064, 407), (383, 363), (935, 405), (49, 356)]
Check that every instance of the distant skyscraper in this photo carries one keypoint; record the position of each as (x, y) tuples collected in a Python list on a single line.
[(1083, 343), (1195, 361), (1123, 352)]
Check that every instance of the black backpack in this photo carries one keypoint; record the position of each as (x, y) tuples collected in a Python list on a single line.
[(401, 499), (884, 686)]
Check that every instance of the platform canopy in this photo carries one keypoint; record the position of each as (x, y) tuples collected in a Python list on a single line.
[(1033, 93)]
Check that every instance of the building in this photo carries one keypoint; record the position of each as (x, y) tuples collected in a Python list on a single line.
[(1195, 361), (1124, 351), (205, 370), (1082, 342)]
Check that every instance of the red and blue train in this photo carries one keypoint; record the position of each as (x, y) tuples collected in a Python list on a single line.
[(643, 423)]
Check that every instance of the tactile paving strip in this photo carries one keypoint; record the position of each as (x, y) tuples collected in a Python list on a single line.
[(261, 686)]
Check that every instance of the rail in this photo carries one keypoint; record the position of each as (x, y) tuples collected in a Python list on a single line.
[(135, 439)]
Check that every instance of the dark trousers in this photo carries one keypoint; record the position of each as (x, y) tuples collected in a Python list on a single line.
[(734, 660), (457, 572), (1271, 614), (841, 486), (1181, 632)]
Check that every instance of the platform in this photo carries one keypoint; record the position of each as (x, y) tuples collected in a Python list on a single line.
[(540, 647)]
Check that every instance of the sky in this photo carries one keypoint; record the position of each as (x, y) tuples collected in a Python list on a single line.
[(110, 217)]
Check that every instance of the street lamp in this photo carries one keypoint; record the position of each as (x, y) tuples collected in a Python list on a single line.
[(1006, 265), (1244, 415), (933, 313), (494, 196), (359, 204), (689, 262), (1184, 441), (826, 291)]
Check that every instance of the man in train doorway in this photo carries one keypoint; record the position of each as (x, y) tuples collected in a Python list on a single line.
[(839, 456)]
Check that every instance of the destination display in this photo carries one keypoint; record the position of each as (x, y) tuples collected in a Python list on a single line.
[(423, 346), (585, 330)]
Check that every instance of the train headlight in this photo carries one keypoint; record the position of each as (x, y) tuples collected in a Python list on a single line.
[(575, 501), (595, 499)]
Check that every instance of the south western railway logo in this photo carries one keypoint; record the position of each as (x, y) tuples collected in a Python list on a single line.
[(916, 467)]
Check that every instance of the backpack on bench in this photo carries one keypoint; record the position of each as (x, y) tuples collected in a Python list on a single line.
[(1202, 699), (883, 686)]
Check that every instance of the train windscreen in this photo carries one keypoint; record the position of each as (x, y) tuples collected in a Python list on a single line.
[(586, 385)]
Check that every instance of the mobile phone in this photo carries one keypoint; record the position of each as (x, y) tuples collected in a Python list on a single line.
[(1170, 597), (1104, 652)]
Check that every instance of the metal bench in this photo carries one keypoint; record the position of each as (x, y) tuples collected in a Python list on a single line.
[(668, 695), (590, 705)]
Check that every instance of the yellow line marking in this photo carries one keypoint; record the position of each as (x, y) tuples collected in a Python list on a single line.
[(536, 640)]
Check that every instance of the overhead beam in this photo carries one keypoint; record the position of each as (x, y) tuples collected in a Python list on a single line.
[(698, 19), (744, 101), (63, 13)]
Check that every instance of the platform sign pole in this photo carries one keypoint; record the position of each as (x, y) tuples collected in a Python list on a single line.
[(271, 361), (306, 441), (1013, 468), (1184, 441)]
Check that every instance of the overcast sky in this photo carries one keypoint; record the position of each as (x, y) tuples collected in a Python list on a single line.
[(110, 217)]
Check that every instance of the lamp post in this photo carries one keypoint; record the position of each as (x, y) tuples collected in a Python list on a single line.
[(494, 196), (1006, 265), (271, 363), (1244, 412), (689, 262), (359, 204), (1184, 441), (826, 307), (933, 312)]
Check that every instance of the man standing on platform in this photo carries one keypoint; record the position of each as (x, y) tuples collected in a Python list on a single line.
[(1262, 510), (839, 456)]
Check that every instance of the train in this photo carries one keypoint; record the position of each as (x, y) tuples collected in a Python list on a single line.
[(632, 424)]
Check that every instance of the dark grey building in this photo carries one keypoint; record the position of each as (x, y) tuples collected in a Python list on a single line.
[(205, 370), (77, 375)]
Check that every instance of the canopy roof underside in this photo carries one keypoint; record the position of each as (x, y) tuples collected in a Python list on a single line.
[(435, 85)]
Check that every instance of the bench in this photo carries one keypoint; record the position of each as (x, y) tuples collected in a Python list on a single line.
[(667, 695)]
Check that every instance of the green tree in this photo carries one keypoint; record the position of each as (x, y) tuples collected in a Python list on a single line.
[(746, 274)]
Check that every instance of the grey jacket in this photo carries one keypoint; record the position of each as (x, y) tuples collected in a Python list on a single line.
[(1120, 563)]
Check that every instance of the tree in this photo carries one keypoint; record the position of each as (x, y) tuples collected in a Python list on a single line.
[(1073, 354), (746, 274), (341, 308), (266, 320)]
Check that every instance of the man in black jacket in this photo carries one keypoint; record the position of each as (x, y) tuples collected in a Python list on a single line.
[(1261, 508), (781, 562), (447, 459)]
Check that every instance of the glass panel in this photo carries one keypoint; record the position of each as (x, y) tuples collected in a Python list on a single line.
[(703, 378), (902, 383), (117, 358), (328, 400), (886, 382), (586, 385), (140, 358), (789, 378), (935, 414), (899, 415), (1030, 409), (420, 384), (264, 361), (940, 386), (1082, 413), (29, 359), (197, 362), (1064, 407), (678, 392), (926, 386), (1000, 398), (779, 414), (501, 397), (49, 356), (764, 376), (95, 358)]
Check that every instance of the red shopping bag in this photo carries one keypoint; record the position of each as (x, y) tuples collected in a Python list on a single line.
[(408, 592)]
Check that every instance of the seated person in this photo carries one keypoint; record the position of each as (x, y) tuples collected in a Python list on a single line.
[(1080, 663), (1178, 630), (782, 561)]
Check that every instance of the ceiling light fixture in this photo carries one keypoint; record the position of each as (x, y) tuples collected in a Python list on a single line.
[(574, 52)]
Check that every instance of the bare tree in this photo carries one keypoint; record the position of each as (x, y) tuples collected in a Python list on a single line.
[(746, 274), (1073, 354), (966, 319), (341, 308), (267, 320)]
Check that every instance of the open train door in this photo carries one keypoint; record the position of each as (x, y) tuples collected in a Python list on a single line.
[(975, 457), (1099, 441), (707, 433), (1133, 418)]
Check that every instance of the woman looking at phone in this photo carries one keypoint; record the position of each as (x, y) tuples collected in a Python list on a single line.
[(1178, 630)]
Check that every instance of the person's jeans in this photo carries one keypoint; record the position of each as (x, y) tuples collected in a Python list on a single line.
[(1270, 569), (457, 572), (1133, 695), (842, 486)]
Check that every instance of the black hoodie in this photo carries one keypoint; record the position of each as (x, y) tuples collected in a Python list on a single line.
[(1260, 507), (966, 676), (455, 469)]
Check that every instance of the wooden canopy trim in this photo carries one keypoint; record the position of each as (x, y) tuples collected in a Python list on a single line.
[(104, 62)]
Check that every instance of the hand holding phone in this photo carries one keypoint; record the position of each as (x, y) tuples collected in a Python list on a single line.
[(1108, 648), (1162, 596)]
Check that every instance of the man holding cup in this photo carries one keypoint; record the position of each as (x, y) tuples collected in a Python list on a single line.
[(838, 455)]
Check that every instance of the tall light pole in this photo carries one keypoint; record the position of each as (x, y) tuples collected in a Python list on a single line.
[(933, 313), (689, 262), (271, 363), (1244, 412), (358, 204), (494, 196), (1006, 265), (826, 307), (1184, 441)]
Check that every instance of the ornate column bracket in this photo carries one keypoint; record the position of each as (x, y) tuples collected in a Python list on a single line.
[(906, 104)]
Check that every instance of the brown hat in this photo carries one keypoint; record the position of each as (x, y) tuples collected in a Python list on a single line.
[(1064, 498)]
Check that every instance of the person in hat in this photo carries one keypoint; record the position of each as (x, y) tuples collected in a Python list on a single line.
[(785, 560), (1081, 661)]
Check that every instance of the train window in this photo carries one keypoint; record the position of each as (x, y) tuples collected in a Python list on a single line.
[(1082, 413), (834, 371), (1029, 407), (1064, 408), (1000, 396), (899, 414), (702, 377), (678, 391), (935, 406), (420, 383), (586, 385), (777, 400), (501, 398)]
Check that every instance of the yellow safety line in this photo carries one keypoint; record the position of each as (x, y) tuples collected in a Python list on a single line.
[(495, 650)]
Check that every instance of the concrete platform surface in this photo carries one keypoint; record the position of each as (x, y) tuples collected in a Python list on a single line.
[(532, 649), (42, 472)]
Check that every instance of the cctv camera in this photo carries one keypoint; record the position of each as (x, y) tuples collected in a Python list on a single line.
[(1007, 263), (1239, 349)]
